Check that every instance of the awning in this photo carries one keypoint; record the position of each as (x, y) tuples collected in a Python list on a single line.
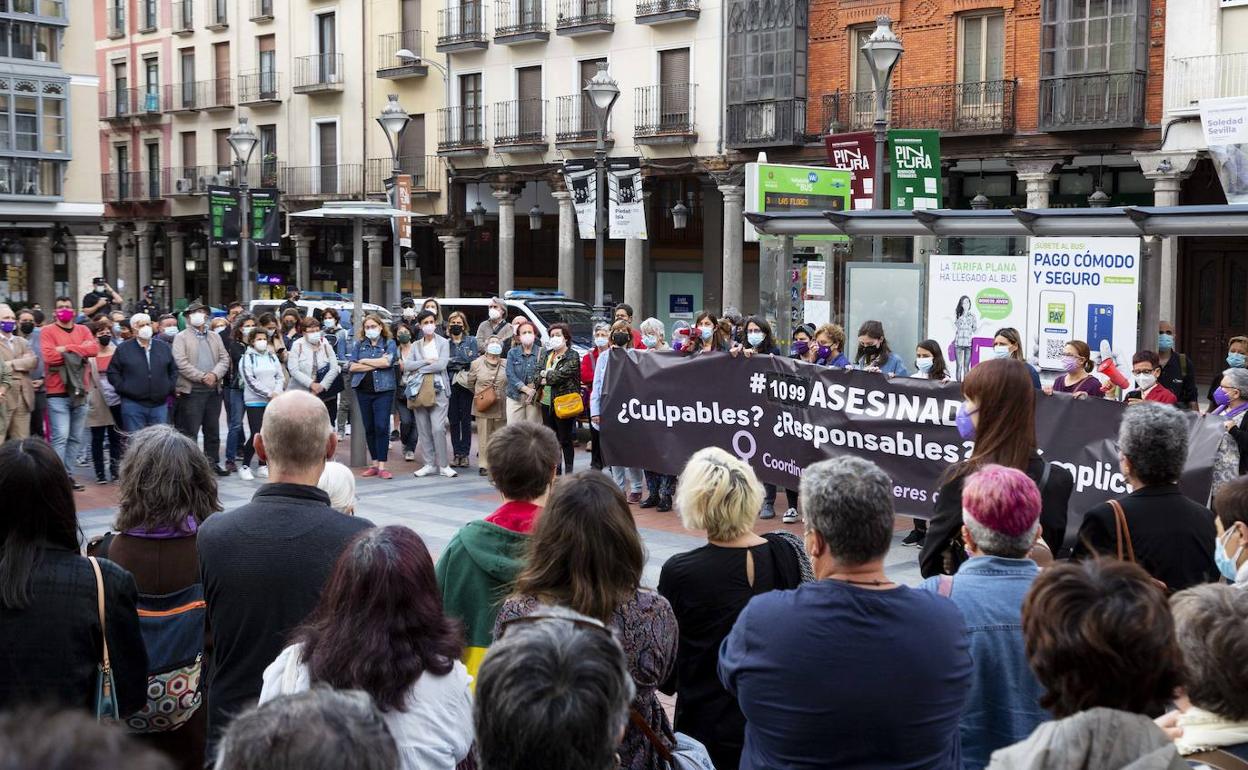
[(356, 210), (1224, 220)]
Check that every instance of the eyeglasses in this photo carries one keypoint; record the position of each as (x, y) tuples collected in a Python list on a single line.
[(582, 622)]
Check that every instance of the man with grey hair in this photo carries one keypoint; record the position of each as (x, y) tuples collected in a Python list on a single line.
[(144, 374), (495, 326), (553, 692), (264, 564), (834, 673), (1209, 622), (319, 729), (1173, 536)]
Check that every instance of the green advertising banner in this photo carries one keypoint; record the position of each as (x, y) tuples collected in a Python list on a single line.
[(225, 216), (774, 188), (266, 225), (915, 175)]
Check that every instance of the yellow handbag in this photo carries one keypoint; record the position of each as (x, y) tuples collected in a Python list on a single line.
[(568, 405)]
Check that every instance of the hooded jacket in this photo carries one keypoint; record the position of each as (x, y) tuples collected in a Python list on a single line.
[(475, 573), (1098, 737)]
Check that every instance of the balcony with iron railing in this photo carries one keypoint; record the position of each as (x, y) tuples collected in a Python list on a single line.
[(318, 73), (218, 14), (118, 105), (655, 12), (461, 131), (258, 88), (576, 123), (663, 114), (183, 17), (183, 181), (342, 181), (520, 126), (984, 107), (210, 95), (425, 170), (462, 28), (1089, 102), (776, 123), (574, 18), (115, 15), (1192, 78), (520, 21), (262, 10), (390, 66), (134, 186)]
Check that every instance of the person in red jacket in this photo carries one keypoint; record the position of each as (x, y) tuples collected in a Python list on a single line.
[(602, 338), (1146, 367), (66, 413)]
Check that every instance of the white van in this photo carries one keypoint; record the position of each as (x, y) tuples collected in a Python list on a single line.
[(540, 307), (311, 303)]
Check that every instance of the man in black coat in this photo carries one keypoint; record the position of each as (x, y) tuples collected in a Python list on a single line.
[(143, 373), (1173, 536), (263, 565)]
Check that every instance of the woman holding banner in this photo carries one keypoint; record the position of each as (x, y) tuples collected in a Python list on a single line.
[(1008, 343), (998, 413), (873, 353), (708, 336), (1231, 397), (831, 341), (1078, 380)]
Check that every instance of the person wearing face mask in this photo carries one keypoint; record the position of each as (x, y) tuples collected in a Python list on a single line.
[(147, 303), (291, 330), (432, 306), (707, 336), (1178, 373), (1236, 358), (292, 299), (495, 326), (830, 346), (428, 360), (589, 363), (1231, 397), (202, 362), (560, 375), (464, 351), (28, 323), (237, 339), (21, 361), (1173, 537), (998, 413), (104, 407), (1230, 554), (166, 328), (312, 363), (1146, 369), (1078, 380), (659, 486), (373, 359), (873, 353), (486, 378), (68, 380), (624, 312), (408, 436), (929, 362), (101, 298), (523, 363), (1007, 343), (758, 339), (804, 348), (653, 335), (629, 480), (264, 379), (144, 375), (407, 315), (338, 337)]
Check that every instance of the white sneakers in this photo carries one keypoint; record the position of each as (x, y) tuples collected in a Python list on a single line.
[(263, 472), (428, 470), (449, 472), (245, 473), (790, 516)]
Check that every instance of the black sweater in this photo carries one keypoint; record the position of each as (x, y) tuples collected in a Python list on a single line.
[(133, 378), (263, 566)]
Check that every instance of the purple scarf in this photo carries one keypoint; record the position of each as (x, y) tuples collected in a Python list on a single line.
[(189, 527)]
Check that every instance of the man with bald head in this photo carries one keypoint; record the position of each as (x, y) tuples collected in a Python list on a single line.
[(263, 565)]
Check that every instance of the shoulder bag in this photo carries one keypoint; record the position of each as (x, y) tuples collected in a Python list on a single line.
[(483, 400), (1122, 540), (689, 754), (1218, 760), (106, 707)]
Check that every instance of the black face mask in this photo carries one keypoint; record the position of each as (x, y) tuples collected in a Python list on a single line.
[(868, 351), (621, 339), (288, 325), (26, 327), (455, 329), (105, 341)]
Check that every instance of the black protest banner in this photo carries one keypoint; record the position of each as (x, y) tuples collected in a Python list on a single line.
[(781, 415)]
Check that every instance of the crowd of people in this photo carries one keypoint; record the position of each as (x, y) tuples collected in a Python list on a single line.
[(290, 632)]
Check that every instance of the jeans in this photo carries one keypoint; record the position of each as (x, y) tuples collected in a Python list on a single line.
[(459, 413), (200, 410), (563, 428), (375, 411), (343, 412), (67, 422), (631, 480), (136, 416), (234, 410)]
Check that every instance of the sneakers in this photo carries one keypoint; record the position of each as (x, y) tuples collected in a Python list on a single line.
[(790, 516), (409, 456), (100, 479), (650, 502), (244, 473), (428, 470), (385, 475), (371, 471), (448, 472), (913, 540), (263, 472), (231, 466), (634, 498), (665, 504), (77, 487), (768, 512)]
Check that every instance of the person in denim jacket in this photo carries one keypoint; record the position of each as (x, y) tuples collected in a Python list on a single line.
[(373, 380), (523, 362), (1001, 522), (464, 350)]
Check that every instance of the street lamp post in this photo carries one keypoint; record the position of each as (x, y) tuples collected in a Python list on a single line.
[(394, 121), (603, 92), (243, 141), (883, 48)]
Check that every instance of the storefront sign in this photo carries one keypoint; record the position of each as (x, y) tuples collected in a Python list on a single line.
[(266, 219), (772, 188), (582, 180), (1225, 122), (968, 299), (225, 217), (915, 173), (855, 152), (628, 210)]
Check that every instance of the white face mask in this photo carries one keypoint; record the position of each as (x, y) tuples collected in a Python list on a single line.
[(526, 338), (1145, 380), (601, 342), (196, 319), (556, 343), (372, 333), (170, 331), (428, 329), (313, 337), (145, 333), (495, 314), (494, 349), (1001, 351), (409, 312), (328, 323), (261, 345)]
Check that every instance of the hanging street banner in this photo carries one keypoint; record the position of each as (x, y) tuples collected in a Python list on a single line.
[(968, 299), (225, 217), (266, 221), (780, 415), (777, 187), (582, 180), (1225, 123), (855, 152), (915, 175), (404, 224), (627, 214)]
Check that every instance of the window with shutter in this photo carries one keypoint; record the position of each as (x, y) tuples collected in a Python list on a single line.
[(529, 105), (674, 88), (327, 156)]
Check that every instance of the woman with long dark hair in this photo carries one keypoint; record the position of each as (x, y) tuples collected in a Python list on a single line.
[(380, 628), (707, 335), (929, 362), (586, 555), (49, 616), (873, 352), (998, 413), (1008, 343)]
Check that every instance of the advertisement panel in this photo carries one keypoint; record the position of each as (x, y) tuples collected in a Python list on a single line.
[(404, 224), (266, 220), (225, 217), (914, 175), (855, 152), (1085, 289), (627, 214), (773, 188), (1225, 123), (582, 180), (968, 299)]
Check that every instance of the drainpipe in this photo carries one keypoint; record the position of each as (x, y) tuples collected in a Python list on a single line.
[(723, 77)]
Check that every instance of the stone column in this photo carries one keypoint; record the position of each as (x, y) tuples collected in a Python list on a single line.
[(303, 259), (110, 231), (734, 239), (376, 292), (177, 265), (143, 233), (506, 239), (215, 256), (567, 243), (1159, 293), (1038, 176), (451, 245), (634, 281), (85, 254), (40, 280), (127, 266)]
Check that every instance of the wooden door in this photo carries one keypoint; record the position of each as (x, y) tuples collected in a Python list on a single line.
[(327, 153), (1215, 302)]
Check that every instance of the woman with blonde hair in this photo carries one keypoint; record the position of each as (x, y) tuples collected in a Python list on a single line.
[(709, 586)]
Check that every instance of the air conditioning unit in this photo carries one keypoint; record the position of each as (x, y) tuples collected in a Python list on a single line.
[(184, 186)]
